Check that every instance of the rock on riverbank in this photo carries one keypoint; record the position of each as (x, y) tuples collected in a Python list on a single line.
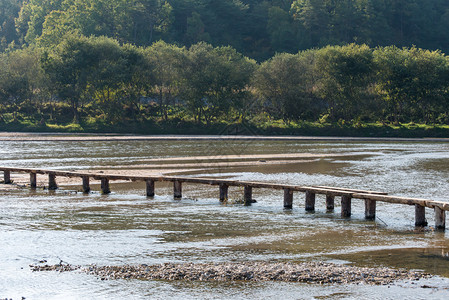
[(312, 272)]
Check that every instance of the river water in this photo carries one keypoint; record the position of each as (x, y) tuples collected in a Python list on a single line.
[(125, 227)]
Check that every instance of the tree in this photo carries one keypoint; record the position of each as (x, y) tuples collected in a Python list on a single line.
[(345, 75), (32, 16), (21, 78), (110, 72), (314, 16), (286, 82), (9, 9), (195, 30), (69, 67), (412, 80), (166, 63), (281, 31), (215, 80)]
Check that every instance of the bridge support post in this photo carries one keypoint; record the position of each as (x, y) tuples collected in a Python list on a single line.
[(105, 186), (310, 201), (150, 187), (177, 189), (248, 195), (223, 192), (440, 218), (370, 209), (33, 181), (345, 206), (288, 198), (7, 177), (330, 202), (420, 216), (86, 185), (52, 182)]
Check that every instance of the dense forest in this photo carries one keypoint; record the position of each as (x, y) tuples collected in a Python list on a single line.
[(255, 28), (149, 65)]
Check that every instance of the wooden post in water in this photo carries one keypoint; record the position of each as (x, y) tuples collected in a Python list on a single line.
[(440, 218), (288, 198), (86, 185), (33, 181), (330, 202), (223, 192), (52, 182), (7, 177), (370, 209), (248, 195), (420, 216), (310, 201), (105, 186), (177, 189), (150, 187), (345, 206)]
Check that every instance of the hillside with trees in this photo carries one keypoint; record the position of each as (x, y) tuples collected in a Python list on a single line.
[(194, 66), (255, 28)]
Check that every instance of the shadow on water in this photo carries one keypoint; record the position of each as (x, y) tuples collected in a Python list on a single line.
[(431, 260)]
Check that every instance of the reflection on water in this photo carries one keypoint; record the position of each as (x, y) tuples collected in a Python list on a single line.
[(127, 228)]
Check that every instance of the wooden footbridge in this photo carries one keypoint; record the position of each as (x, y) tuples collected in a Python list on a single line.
[(370, 197)]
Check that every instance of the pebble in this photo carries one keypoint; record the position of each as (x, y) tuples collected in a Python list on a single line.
[(311, 272)]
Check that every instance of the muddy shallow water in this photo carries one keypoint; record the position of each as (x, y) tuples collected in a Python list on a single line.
[(127, 228)]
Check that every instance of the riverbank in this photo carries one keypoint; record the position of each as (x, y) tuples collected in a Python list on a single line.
[(58, 136), (248, 128), (308, 272)]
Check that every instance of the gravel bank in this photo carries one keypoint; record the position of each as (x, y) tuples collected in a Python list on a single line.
[(312, 272)]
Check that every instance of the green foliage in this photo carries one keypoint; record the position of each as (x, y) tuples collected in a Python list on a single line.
[(164, 79), (345, 73), (104, 85), (255, 28), (413, 82), (286, 82), (215, 80)]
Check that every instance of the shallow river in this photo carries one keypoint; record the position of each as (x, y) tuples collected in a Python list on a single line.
[(127, 228)]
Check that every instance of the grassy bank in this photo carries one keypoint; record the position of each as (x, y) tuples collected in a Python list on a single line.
[(190, 127), (147, 119)]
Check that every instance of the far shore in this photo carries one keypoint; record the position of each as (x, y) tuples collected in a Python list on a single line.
[(28, 136)]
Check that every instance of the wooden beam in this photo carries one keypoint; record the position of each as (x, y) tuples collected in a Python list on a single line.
[(223, 192), (86, 185), (370, 209), (345, 206), (440, 219), (52, 181), (288, 198), (350, 190), (420, 216), (310, 201), (248, 195), (105, 186), (33, 180), (6, 177), (177, 189), (330, 202), (404, 200), (150, 187)]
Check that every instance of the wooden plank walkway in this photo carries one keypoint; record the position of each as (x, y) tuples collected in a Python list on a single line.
[(370, 197)]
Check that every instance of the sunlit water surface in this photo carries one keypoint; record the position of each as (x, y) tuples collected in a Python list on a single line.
[(127, 228)]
